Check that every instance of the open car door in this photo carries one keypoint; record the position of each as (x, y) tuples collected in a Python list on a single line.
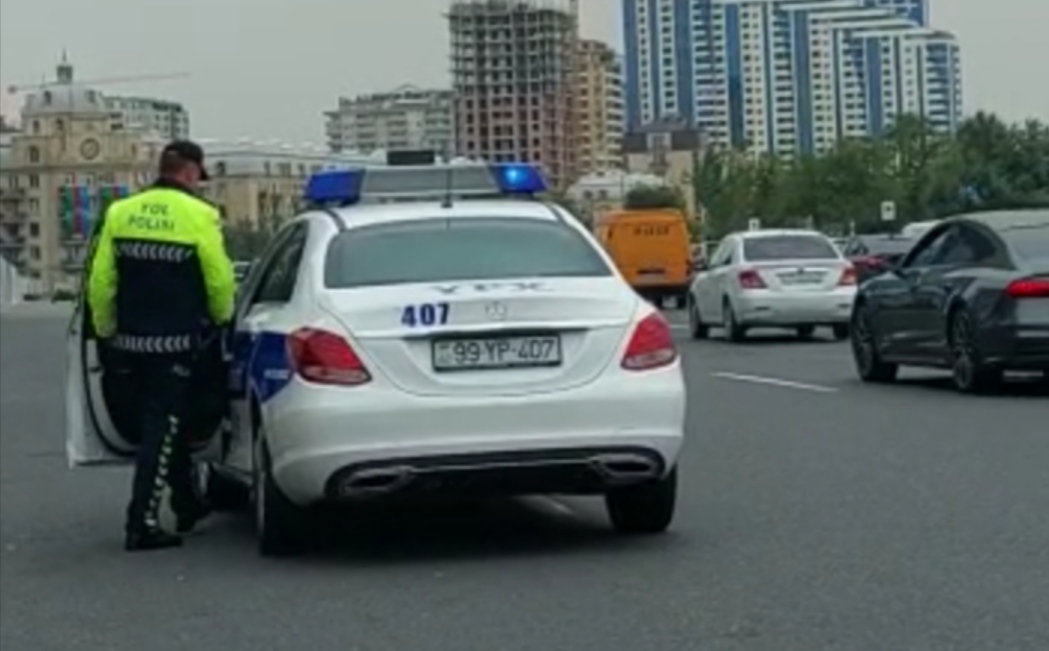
[(101, 395)]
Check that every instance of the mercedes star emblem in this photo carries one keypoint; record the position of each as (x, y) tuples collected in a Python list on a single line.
[(496, 311)]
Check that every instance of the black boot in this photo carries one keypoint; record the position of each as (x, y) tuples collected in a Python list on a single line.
[(187, 516), (149, 539)]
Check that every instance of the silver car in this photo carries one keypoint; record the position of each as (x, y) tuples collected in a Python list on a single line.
[(773, 278)]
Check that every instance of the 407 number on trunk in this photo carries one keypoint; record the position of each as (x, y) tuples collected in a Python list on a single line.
[(425, 315)]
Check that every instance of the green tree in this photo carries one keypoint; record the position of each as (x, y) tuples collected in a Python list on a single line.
[(724, 184), (583, 214), (653, 196)]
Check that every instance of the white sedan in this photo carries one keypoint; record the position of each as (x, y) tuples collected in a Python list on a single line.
[(471, 344), (773, 278)]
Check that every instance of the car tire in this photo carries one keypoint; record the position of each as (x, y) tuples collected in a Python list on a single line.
[(696, 327), (680, 301), (840, 331), (221, 492), (643, 509), (869, 364), (968, 373), (806, 331), (734, 332), (279, 525)]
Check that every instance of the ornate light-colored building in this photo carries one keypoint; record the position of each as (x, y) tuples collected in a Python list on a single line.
[(70, 157), (257, 184)]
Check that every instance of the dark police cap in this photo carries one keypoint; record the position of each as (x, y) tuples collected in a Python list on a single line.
[(188, 151)]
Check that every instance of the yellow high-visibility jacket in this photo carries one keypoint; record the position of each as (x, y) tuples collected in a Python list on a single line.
[(160, 271)]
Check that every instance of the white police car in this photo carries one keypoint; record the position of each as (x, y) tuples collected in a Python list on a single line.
[(431, 329)]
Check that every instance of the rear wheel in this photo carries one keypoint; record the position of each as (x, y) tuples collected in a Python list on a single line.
[(840, 331), (806, 331), (279, 524), (734, 332), (869, 364), (968, 371), (696, 326), (644, 509), (679, 301)]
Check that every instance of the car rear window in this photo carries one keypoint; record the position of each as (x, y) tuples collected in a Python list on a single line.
[(788, 247), (438, 250), (1030, 243)]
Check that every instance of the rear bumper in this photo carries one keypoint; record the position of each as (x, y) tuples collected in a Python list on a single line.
[(760, 307), (661, 289), (577, 471), (321, 438), (1017, 348)]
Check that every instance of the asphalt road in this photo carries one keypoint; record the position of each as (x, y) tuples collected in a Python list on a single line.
[(817, 515)]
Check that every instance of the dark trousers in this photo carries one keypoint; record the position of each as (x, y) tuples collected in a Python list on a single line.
[(162, 383)]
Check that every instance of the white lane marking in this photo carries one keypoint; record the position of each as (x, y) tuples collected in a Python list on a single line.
[(776, 382)]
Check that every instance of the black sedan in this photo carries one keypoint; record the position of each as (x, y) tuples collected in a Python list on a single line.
[(872, 255), (971, 296)]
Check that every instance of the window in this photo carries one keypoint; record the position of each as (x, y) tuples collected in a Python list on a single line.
[(854, 248), (966, 246), (440, 250), (788, 247), (34, 154), (722, 254), (925, 253), (34, 180), (278, 278)]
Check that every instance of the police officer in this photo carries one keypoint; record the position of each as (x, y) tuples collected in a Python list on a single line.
[(160, 280)]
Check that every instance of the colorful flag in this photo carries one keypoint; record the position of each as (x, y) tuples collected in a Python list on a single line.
[(81, 199), (87, 206), (65, 210)]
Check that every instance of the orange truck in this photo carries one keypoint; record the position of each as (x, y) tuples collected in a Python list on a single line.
[(652, 249)]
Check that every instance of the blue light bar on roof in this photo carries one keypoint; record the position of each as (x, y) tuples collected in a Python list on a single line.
[(517, 178), (340, 187), (424, 182)]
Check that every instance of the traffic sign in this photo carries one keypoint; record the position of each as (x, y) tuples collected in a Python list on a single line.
[(888, 211), (754, 225)]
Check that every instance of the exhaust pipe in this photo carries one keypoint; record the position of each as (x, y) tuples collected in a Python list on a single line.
[(626, 468), (375, 482)]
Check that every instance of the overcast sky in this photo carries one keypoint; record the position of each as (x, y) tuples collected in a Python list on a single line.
[(269, 68)]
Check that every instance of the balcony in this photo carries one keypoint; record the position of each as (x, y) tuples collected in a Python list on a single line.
[(14, 216)]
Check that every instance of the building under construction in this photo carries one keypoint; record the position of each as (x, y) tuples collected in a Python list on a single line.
[(513, 72)]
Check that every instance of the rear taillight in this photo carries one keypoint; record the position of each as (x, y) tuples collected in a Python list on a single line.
[(1028, 288), (848, 277), (651, 346), (750, 279), (325, 358)]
